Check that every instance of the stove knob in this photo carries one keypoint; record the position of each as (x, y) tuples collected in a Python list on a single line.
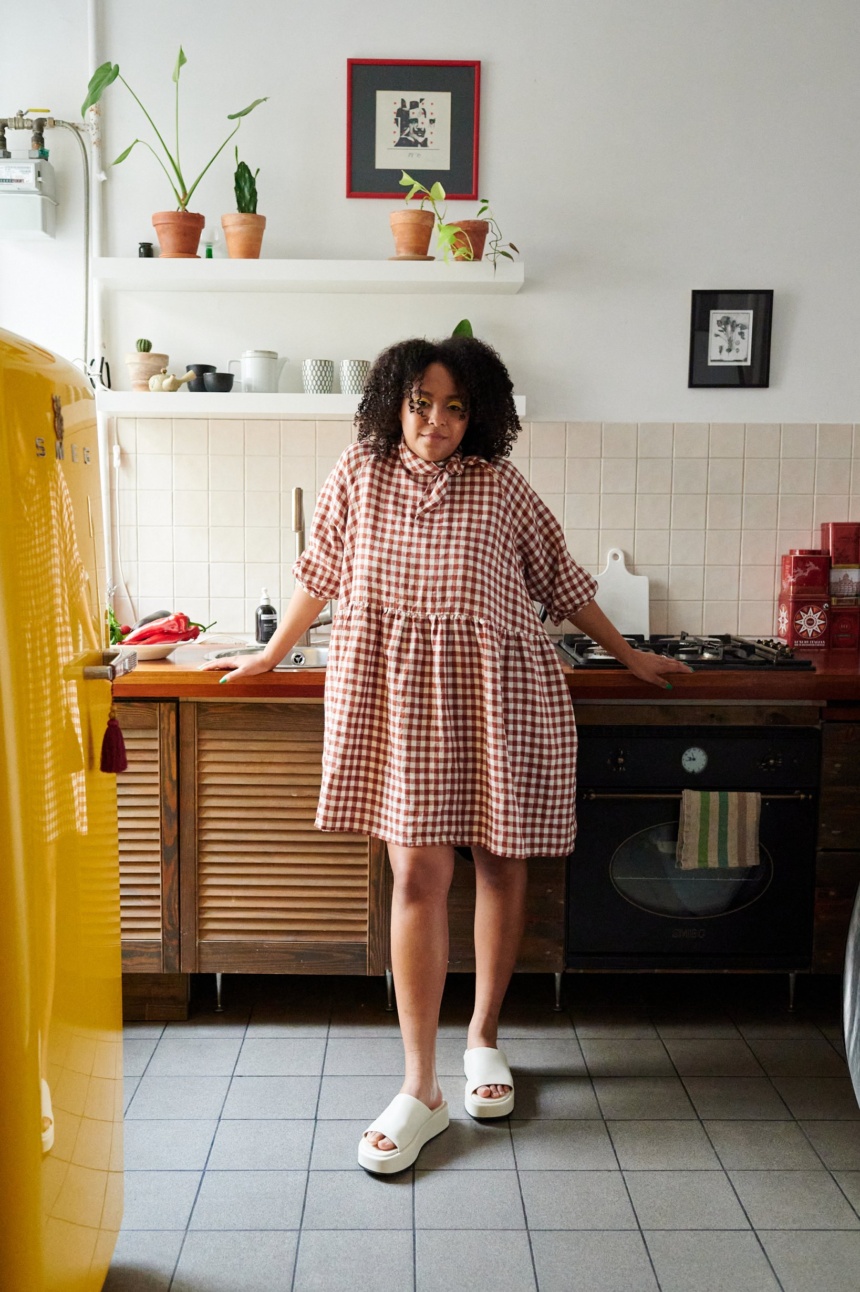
[(771, 762), (616, 761)]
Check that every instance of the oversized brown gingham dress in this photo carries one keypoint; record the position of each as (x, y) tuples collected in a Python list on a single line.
[(447, 717)]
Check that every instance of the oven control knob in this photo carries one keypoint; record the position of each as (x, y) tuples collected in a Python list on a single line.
[(771, 762), (617, 761), (694, 760)]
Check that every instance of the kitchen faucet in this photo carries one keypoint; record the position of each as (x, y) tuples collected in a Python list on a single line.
[(325, 616)]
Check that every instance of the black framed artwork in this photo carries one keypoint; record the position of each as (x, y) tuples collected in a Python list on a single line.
[(730, 338), (421, 116)]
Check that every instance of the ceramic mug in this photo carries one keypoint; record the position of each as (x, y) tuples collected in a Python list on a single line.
[(318, 376), (353, 375), (199, 370)]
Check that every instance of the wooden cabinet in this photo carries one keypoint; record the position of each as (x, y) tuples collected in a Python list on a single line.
[(837, 872)]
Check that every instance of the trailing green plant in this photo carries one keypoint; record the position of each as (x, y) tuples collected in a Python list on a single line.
[(495, 246), (143, 345), (463, 328), (182, 191), (245, 187), (445, 233)]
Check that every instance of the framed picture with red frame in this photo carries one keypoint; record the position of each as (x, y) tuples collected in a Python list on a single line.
[(421, 116)]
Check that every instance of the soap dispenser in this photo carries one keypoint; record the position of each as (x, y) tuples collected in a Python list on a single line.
[(266, 618)]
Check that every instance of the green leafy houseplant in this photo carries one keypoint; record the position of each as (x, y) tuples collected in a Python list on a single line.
[(456, 240), (446, 234), (243, 229), (245, 187), (494, 237)]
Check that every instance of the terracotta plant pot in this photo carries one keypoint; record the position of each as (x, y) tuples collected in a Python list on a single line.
[(412, 230), (476, 235), (178, 233), (143, 364), (243, 233)]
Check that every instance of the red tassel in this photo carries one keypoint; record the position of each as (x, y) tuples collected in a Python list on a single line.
[(114, 758)]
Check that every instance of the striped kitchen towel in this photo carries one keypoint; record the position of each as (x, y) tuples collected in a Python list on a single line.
[(718, 828)]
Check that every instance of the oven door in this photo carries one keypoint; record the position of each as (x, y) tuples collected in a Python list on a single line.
[(631, 907)]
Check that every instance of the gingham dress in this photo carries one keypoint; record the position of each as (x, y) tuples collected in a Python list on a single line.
[(447, 716)]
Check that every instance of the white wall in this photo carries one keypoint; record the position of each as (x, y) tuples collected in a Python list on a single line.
[(634, 150)]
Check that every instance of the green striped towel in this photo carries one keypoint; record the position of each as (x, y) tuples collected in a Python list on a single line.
[(717, 829)]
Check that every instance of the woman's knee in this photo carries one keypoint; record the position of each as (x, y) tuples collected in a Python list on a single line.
[(501, 872), (421, 874)]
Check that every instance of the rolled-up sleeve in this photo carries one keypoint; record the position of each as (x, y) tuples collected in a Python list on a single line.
[(551, 574), (320, 566)]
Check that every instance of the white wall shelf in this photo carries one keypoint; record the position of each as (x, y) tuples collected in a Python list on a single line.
[(184, 403), (373, 276)]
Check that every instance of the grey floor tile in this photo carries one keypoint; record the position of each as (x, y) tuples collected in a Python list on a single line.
[(364, 1021), (129, 1086), (159, 1199), (592, 1262), (470, 1146), (814, 1262), (187, 1098), (849, 1183), (542, 1145), (247, 1145), (277, 1097), (762, 1146), (711, 1262), (576, 1200), (452, 1200), (194, 1057), (562, 1097), (779, 1028), (799, 1056), (518, 1023), (837, 1143), (281, 1057), (144, 1261), (341, 1261), (365, 1057), (740, 1098), (696, 1026), (643, 1097), (273, 1020), (819, 1098), (249, 1200), (236, 1262), (167, 1145), (793, 1200), (457, 1258), (627, 1058), (685, 1200), (662, 1146), (206, 1023), (545, 1057), (713, 1058), (834, 1034), (350, 1200), (136, 1054), (596, 1028), (134, 1031)]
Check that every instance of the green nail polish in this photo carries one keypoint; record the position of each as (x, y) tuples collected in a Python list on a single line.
[(669, 686), (222, 680)]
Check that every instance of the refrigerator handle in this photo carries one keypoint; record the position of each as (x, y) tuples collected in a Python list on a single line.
[(113, 663)]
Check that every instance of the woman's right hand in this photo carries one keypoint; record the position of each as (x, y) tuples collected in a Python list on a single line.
[(240, 665)]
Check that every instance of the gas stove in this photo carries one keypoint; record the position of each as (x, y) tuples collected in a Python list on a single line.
[(717, 651)]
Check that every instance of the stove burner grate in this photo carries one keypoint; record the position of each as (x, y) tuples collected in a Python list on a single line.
[(714, 651)]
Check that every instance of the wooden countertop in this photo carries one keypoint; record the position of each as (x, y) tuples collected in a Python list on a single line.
[(836, 678)]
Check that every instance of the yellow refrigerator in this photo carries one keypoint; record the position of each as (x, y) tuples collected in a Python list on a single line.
[(61, 1163)]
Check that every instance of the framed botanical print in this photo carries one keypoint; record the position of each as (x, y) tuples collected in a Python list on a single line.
[(730, 338), (419, 116)]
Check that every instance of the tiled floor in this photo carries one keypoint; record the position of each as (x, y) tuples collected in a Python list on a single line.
[(686, 1134)]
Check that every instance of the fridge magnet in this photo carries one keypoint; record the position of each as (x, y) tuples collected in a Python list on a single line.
[(730, 338), (419, 116)]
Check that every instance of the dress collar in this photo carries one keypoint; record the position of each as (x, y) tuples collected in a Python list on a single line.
[(436, 475)]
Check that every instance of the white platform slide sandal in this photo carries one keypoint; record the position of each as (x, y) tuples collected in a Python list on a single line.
[(487, 1067), (407, 1123), (47, 1116)]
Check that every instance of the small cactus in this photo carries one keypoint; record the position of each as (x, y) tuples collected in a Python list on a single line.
[(144, 346), (245, 187)]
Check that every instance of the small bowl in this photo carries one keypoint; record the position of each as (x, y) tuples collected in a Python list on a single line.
[(161, 651), (221, 382), (200, 370)]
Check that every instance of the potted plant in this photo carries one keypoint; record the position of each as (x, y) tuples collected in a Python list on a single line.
[(243, 229), (144, 363), (475, 235), (462, 241), (178, 231), (413, 227)]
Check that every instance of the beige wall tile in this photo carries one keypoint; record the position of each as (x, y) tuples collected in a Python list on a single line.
[(547, 474), (226, 507), (684, 616), (722, 583), (655, 439), (724, 511), (651, 546), (652, 511), (832, 476), (584, 439), (618, 475), (581, 510), (654, 475), (761, 475), (761, 440), (226, 438), (690, 475), (687, 547), (722, 546), (548, 440), (795, 509), (720, 617), (582, 475), (798, 440), (619, 439), (834, 440), (691, 440), (688, 511), (262, 439), (617, 510), (726, 475), (190, 435)]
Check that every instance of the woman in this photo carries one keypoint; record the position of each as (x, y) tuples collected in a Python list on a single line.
[(448, 721)]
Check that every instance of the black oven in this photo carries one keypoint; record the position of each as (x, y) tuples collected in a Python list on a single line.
[(631, 907)]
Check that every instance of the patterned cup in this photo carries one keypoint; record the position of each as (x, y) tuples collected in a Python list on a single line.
[(318, 376), (353, 374)]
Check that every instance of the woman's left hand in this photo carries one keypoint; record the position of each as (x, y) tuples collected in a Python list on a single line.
[(652, 668)]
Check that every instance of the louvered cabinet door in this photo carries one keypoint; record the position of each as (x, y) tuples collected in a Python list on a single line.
[(148, 837), (263, 890)]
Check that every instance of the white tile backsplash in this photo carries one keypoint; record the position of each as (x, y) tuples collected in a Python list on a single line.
[(205, 507)]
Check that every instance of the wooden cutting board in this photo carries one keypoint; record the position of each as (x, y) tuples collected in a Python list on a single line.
[(623, 597)]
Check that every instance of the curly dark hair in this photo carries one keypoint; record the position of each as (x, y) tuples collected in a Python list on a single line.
[(482, 381)]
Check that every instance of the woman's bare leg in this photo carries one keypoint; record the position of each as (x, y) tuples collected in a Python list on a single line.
[(500, 912), (419, 959)]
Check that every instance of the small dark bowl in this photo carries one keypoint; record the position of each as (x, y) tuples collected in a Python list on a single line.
[(218, 381), (200, 369)]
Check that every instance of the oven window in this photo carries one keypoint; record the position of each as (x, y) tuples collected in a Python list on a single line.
[(644, 873)]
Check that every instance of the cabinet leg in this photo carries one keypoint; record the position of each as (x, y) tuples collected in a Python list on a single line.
[(219, 1008), (792, 984), (558, 982), (389, 989)]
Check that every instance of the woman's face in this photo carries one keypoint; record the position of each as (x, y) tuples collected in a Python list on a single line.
[(436, 427)]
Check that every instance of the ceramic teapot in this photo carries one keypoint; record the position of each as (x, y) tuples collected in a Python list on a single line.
[(259, 371), (166, 381)]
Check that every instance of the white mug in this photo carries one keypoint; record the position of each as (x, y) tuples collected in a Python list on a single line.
[(259, 371), (318, 376), (353, 375)]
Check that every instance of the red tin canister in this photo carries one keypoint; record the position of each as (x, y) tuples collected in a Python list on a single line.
[(841, 538), (805, 572), (803, 622), (845, 628)]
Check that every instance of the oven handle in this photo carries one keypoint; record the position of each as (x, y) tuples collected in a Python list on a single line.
[(799, 796)]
